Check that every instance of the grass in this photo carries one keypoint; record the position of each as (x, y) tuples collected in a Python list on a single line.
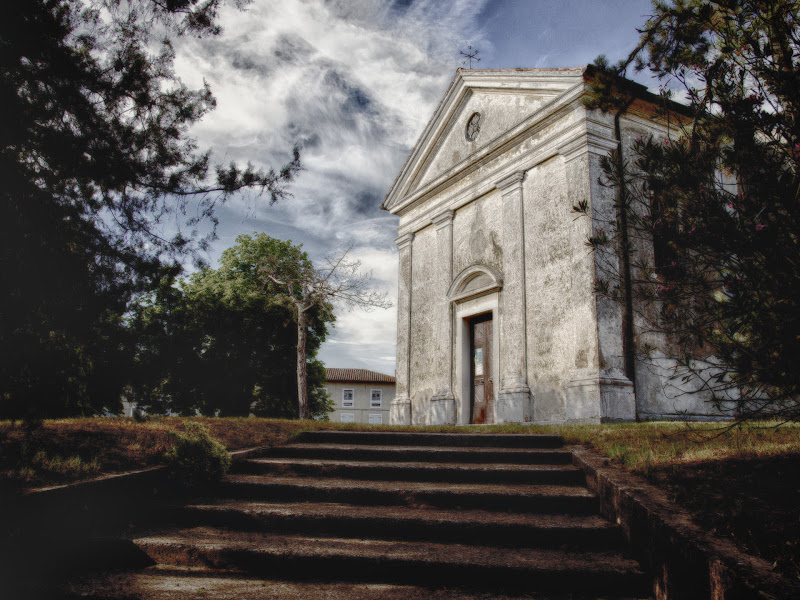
[(67, 450), (740, 482)]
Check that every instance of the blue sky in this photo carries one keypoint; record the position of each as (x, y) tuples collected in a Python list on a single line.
[(353, 82)]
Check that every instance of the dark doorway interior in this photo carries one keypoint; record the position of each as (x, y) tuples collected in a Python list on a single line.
[(482, 401)]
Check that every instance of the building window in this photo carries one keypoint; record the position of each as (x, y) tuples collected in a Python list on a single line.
[(375, 399), (347, 399), (376, 419), (348, 418)]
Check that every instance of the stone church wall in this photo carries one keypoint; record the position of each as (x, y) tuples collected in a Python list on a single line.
[(549, 256), (477, 234), (424, 300)]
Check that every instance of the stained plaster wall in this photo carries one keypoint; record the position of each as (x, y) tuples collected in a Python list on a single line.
[(477, 233), (551, 318), (424, 303)]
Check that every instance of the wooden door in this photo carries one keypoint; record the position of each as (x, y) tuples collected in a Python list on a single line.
[(482, 409)]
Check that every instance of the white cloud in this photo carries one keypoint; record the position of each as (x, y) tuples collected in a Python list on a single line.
[(353, 82)]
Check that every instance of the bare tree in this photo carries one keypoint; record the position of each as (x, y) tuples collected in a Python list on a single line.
[(339, 281)]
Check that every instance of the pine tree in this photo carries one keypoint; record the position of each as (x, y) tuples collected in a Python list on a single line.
[(709, 220), (103, 190)]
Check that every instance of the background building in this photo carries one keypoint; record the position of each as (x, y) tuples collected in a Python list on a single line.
[(359, 395)]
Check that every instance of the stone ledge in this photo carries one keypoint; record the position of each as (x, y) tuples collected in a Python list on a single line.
[(92, 506), (140, 475), (687, 562)]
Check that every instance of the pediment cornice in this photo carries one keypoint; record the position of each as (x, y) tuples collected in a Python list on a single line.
[(562, 85)]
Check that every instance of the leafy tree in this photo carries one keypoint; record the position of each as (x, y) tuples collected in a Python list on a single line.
[(103, 190), (708, 220), (310, 289), (217, 342)]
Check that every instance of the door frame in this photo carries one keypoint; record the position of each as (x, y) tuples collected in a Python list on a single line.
[(465, 311)]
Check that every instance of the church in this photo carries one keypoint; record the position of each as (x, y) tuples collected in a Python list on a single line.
[(497, 318)]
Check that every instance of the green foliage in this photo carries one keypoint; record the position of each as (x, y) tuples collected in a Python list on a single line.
[(102, 189), (220, 342), (714, 212), (197, 459), (282, 403)]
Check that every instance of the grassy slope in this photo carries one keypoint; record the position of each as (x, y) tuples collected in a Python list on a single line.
[(743, 483)]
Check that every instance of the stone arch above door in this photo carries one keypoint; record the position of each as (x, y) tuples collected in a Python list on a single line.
[(474, 281)]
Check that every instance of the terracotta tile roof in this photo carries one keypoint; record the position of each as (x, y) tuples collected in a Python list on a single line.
[(357, 376)]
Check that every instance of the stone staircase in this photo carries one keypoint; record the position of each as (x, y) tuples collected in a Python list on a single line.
[(373, 515)]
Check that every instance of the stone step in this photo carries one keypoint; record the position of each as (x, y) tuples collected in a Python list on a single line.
[(524, 456), (398, 522), (557, 499), (190, 583), (406, 562), (415, 471), (398, 438)]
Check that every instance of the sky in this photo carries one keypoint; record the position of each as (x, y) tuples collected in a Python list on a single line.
[(353, 83)]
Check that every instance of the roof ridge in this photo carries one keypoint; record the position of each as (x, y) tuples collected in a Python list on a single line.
[(352, 375)]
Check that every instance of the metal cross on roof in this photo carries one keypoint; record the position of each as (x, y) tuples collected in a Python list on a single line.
[(470, 56)]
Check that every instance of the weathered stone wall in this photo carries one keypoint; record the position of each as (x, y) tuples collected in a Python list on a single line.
[(424, 303), (549, 255), (477, 234)]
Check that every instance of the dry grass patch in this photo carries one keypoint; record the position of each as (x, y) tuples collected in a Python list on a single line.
[(742, 482), (66, 450)]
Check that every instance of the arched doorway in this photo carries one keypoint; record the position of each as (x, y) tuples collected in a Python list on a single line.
[(475, 297)]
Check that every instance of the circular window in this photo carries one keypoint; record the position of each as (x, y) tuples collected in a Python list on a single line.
[(473, 126)]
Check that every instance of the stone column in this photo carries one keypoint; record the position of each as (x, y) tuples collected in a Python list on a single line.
[(599, 389), (400, 408), (443, 404), (514, 401)]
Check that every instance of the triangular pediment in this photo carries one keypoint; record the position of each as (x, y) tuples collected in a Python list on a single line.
[(501, 99)]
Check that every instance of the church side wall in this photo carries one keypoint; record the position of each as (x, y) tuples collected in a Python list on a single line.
[(658, 393)]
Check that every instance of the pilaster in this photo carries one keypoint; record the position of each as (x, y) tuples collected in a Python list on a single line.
[(514, 401), (400, 408), (443, 406), (598, 390)]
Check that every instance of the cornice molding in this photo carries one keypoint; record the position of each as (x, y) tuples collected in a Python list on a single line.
[(587, 143), (404, 241), (510, 182), (443, 219)]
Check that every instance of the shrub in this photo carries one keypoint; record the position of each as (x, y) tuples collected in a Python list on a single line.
[(197, 459)]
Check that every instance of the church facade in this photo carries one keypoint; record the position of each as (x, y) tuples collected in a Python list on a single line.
[(497, 316)]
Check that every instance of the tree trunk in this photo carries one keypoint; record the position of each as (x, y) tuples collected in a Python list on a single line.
[(302, 382)]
